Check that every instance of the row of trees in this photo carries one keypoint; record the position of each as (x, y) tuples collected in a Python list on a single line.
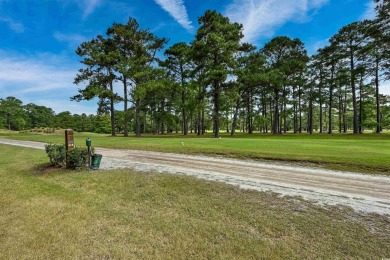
[(217, 78), (218, 82), (16, 116)]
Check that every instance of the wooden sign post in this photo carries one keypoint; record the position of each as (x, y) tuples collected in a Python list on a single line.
[(69, 142)]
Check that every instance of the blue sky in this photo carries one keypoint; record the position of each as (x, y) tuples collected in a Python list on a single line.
[(38, 38)]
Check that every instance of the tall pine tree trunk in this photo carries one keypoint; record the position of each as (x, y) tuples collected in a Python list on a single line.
[(280, 117), (310, 121), (295, 123), (378, 117), (275, 128), (202, 121), (137, 118), (330, 110), (125, 128), (330, 101), (162, 125), (361, 105), (198, 122), (271, 116), (340, 125), (112, 110), (144, 131), (320, 101), (300, 109), (249, 111), (266, 117), (340, 108), (234, 123), (183, 102), (284, 110), (264, 113), (216, 109), (345, 112), (353, 89)]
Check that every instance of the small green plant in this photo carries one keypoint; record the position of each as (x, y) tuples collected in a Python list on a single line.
[(56, 153), (77, 158)]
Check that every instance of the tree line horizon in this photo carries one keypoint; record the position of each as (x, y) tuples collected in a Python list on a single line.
[(218, 82)]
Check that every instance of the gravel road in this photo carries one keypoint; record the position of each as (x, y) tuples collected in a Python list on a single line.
[(362, 192)]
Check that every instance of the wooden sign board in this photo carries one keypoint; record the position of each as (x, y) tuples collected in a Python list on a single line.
[(69, 140)]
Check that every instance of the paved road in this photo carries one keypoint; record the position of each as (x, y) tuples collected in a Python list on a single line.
[(361, 191)]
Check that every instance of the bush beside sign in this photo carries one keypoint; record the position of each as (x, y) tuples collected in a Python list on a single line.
[(77, 157)]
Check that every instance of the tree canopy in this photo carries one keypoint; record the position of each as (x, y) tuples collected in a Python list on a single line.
[(217, 82)]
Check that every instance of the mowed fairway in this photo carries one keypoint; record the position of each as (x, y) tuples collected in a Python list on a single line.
[(50, 213), (368, 153)]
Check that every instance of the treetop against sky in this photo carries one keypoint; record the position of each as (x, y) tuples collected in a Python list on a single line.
[(39, 37)]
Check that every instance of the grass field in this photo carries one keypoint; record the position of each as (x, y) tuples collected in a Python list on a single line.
[(369, 153), (48, 213)]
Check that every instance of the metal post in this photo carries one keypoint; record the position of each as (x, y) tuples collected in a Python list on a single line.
[(88, 142)]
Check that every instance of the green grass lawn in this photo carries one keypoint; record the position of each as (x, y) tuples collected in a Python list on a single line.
[(48, 213), (368, 153)]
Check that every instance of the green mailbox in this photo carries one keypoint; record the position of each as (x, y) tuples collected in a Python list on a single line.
[(88, 142), (93, 159)]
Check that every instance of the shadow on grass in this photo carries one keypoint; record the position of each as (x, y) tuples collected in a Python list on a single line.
[(47, 169)]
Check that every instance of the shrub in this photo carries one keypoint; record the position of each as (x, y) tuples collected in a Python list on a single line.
[(56, 153), (77, 157)]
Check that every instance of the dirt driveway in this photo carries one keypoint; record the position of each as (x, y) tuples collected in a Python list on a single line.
[(362, 192)]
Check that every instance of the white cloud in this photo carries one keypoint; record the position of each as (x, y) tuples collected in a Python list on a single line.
[(313, 4), (86, 6), (384, 88), (158, 27), (121, 9), (43, 79), (61, 105), (13, 25), (178, 11), (313, 47), (33, 74), (72, 39), (261, 18), (369, 13), (90, 6)]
